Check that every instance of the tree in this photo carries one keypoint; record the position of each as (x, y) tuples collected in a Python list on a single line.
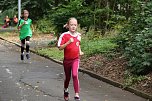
[(136, 38)]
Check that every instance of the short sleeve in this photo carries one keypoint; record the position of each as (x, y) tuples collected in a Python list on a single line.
[(61, 40), (79, 37), (19, 22), (31, 22)]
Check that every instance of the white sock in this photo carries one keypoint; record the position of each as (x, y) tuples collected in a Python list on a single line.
[(66, 89), (76, 95)]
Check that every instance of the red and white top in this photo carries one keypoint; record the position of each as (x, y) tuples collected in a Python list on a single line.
[(71, 51)]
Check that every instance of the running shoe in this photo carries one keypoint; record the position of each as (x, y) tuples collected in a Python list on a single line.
[(77, 98), (22, 57), (28, 56), (66, 96)]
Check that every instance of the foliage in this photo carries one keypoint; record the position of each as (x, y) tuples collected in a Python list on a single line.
[(131, 79), (44, 26), (10, 13), (8, 4), (136, 39), (53, 43), (103, 15), (97, 46), (92, 34), (37, 8), (75, 9)]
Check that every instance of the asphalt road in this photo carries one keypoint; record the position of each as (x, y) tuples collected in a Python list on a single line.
[(42, 80), (9, 29)]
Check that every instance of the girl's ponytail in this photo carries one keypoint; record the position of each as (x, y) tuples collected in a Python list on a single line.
[(65, 26)]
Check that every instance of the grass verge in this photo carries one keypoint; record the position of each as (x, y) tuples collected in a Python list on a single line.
[(97, 46), (89, 47), (53, 52)]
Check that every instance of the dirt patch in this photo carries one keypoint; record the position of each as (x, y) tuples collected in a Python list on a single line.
[(111, 68), (114, 69), (37, 40), (15, 37), (145, 85)]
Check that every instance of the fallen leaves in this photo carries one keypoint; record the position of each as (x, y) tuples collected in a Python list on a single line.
[(114, 69)]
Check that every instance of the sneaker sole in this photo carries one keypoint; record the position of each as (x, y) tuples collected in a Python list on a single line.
[(66, 99)]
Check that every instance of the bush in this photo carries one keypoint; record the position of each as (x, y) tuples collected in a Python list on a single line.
[(92, 34), (10, 13), (53, 43), (97, 46), (136, 40), (130, 79), (74, 8), (44, 26)]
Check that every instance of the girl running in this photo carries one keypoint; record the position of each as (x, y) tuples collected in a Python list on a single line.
[(24, 27), (70, 42)]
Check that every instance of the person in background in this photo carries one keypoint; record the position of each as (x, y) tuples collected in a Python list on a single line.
[(24, 27), (15, 20), (6, 22)]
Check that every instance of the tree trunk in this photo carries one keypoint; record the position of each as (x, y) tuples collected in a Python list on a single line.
[(56, 3)]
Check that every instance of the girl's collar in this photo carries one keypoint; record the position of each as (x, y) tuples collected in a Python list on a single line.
[(26, 19), (74, 35)]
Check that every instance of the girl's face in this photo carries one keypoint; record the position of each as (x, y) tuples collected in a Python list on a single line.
[(72, 25), (26, 14)]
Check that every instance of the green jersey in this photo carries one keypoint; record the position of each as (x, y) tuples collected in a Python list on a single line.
[(25, 29)]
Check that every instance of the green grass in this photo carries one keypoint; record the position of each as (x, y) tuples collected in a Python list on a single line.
[(89, 47), (11, 35), (5, 33), (53, 52), (98, 46), (131, 79)]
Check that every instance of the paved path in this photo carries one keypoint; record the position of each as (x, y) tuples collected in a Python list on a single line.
[(9, 29), (42, 80)]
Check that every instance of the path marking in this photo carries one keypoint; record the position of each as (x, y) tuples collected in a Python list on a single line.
[(8, 71)]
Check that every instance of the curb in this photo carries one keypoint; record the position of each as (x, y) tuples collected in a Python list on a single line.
[(94, 75)]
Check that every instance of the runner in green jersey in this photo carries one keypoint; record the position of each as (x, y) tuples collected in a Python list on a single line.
[(24, 27)]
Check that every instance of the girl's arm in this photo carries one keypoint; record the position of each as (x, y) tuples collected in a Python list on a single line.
[(32, 27), (67, 43), (81, 53), (21, 25)]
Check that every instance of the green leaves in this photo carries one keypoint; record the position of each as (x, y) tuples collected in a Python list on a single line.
[(74, 8), (37, 8), (44, 26), (136, 40)]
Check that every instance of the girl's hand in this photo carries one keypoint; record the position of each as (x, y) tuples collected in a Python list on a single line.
[(71, 40), (24, 23), (67, 43), (81, 53)]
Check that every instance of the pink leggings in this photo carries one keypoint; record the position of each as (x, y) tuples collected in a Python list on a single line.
[(71, 66)]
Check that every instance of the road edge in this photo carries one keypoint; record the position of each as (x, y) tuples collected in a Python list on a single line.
[(94, 75)]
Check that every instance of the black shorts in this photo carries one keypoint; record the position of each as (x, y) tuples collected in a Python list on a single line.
[(26, 39)]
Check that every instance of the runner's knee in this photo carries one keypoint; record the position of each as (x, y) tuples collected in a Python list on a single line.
[(75, 76), (27, 43), (22, 45)]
